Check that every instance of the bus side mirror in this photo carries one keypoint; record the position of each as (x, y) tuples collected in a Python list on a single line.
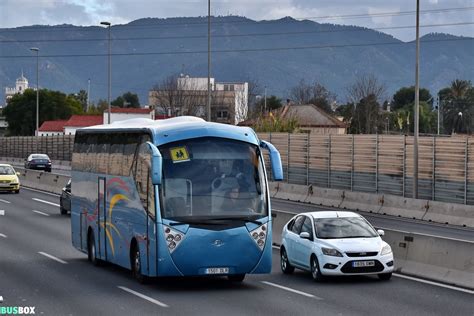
[(275, 160), (156, 164)]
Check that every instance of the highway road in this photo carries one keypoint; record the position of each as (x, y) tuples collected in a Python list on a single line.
[(386, 221), (40, 268)]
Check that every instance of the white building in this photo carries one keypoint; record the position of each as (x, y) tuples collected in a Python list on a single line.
[(120, 114), (20, 86)]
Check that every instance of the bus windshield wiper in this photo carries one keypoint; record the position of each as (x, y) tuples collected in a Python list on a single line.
[(245, 219), (191, 222)]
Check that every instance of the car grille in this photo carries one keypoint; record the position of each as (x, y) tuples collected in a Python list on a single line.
[(5, 181), (348, 268), (361, 254)]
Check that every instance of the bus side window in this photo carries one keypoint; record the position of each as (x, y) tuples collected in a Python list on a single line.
[(129, 149), (116, 155)]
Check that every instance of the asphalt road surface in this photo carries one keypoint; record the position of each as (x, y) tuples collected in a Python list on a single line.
[(40, 268)]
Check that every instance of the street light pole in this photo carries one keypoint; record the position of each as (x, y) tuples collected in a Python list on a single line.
[(36, 49), (417, 103), (265, 102), (108, 24), (209, 60), (439, 104)]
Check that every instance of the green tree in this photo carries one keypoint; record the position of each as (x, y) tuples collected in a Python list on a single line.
[(273, 103), (406, 95), (20, 112), (457, 107), (126, 100), (81, 96)]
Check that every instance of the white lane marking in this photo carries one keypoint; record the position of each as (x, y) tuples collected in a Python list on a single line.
[(292, 290), (276, 247), (52, 257), (38, 212), (5, 201), (45, 202), (2, 212), (451, 287), (39, 191), (3, 236), (149, 299)]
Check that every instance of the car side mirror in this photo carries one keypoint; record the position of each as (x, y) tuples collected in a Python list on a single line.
[(304, 235), (381, 232), (18, 174)]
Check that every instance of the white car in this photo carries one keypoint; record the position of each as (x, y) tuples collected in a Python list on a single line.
[(334, 243)]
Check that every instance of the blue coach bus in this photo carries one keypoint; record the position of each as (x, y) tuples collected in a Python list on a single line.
[(176, 197)]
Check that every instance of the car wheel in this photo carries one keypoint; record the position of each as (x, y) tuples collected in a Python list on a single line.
[(17, 191), (92, 250), (385, 276), (285, 265), (236, 277), (137, 265), (315, 271), (62, 210)]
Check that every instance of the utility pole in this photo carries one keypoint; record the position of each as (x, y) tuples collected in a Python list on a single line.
[(36, 49), (88, 93), (417, 103), (108, 24), (208, 60)]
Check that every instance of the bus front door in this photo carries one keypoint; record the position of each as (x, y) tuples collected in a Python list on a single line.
[(102, 219)]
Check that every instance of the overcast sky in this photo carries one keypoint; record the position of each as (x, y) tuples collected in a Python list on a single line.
[(15, 13)]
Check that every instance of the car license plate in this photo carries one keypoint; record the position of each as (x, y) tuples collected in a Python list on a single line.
[(40, 166), (359, 264), (4, 185), (217, 271)]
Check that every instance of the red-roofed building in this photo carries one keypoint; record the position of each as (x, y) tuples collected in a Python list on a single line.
[(80, 121), (120, 114), (49, 128)]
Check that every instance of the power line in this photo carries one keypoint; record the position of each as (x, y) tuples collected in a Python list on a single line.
[(360, 29), (237, 50), (239, 21)]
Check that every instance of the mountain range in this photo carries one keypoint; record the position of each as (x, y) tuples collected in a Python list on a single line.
[(276, 54)]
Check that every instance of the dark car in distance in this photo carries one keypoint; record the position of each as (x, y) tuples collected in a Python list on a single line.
[(38, 162), (65, 199)]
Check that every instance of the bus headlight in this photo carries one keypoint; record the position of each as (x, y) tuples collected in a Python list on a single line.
[(173, 238), (259, 235)]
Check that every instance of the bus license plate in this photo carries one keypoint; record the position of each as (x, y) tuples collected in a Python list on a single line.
[(217, 271), (359, 264)]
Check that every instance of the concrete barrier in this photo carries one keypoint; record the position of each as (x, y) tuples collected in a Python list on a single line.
[(367, 202), (456, 214), (325, 197), (404, 207), (440, 259), (292, 192), (44, 181)]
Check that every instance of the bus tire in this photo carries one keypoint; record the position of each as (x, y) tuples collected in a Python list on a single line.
[(236, 277), (91, 249), (136, 264)]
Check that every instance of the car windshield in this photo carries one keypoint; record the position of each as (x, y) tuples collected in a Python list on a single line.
[(6, 170), (343, 227), (212, 179)]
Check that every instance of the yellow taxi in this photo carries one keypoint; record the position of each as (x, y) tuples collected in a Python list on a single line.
[(9, 180)]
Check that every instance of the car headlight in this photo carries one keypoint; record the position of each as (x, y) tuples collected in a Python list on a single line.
[(386, 250), (331, 252)]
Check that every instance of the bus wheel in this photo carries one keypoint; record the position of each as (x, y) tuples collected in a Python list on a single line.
[(136, 265), (236, 277), (92, 250)]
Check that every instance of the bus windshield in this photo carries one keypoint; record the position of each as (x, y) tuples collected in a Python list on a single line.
[(212, 178)]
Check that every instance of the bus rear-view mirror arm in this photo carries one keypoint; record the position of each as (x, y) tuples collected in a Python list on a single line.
[(156, 164), (275, 160)]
